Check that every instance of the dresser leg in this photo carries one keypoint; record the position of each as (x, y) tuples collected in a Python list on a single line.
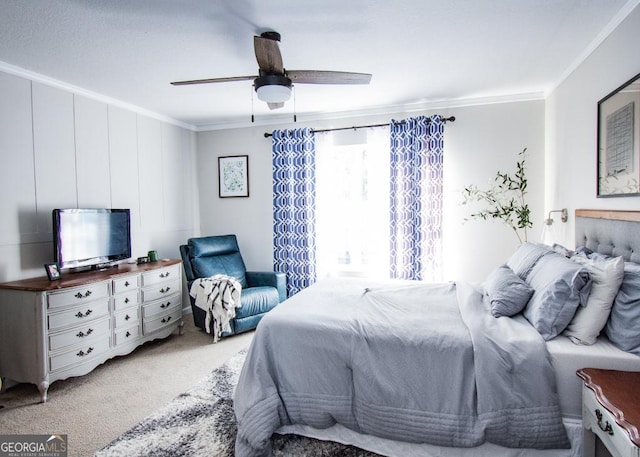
[(43, 387), (588, 443), (181, 328)]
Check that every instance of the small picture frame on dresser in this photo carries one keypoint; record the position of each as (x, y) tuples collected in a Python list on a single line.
[(53, 272)]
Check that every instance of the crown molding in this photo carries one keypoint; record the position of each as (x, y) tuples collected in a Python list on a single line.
[(37, 77), (598, 40), (378, 110), (279, 119)]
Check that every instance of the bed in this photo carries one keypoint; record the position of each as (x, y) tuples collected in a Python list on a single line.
[(415, 369)]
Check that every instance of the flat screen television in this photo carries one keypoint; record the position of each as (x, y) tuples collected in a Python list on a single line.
[(91, 238)]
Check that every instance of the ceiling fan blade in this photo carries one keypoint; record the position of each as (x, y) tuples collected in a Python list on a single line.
[(213, 80), (327, 77), (268, 55), (275, 105)]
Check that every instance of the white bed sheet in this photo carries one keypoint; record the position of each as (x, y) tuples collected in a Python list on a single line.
[(567, 358), (341, 434)]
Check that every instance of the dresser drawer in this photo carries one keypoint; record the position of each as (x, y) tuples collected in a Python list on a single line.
[(79, 354), (79, 314), (126, 335), (126, 318), (161, 306), (161, 275), (600, 421), (124, 284), (125, 300), (160, 290), (157, 323), (88, 332), (78, 295)]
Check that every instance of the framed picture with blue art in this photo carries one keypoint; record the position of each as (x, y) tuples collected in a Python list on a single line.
[(619, 141), (233, 176)]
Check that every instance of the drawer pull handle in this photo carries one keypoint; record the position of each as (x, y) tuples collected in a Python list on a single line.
[(80, 295), (126, 284), (128, 334), (165, 275), (164, 321), (81, 334), (164, 291), (82, 353), (165, 305), (126, 300), (127, 317), (79, 315), (607, 428)]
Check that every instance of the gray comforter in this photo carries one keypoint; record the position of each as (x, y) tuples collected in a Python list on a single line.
[(412, 362)]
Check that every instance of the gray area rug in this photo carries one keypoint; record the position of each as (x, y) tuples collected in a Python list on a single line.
[(201, 422)]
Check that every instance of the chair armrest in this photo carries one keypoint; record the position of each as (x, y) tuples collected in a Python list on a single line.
[(269, 278)]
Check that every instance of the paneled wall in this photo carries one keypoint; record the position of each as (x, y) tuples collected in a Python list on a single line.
[(63, 150)]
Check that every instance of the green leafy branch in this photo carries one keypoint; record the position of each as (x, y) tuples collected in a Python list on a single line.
[(504, 200)]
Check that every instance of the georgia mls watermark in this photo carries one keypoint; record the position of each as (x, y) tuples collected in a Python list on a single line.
[(33, 445)]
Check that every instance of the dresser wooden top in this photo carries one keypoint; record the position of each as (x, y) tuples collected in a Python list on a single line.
[(68, 280), (619, 392)]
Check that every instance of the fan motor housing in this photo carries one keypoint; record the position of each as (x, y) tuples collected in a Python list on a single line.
[(271, 80)]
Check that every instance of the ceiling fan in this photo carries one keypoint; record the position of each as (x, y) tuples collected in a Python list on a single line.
[(273, 83)]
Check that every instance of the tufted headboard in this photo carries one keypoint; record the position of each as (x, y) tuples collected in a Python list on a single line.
[(611, 232)]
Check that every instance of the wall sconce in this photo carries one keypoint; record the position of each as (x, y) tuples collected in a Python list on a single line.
[(548, 232), (563, 218)]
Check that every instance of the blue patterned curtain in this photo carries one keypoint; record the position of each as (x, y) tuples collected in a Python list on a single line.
[(416, 198), (294, 195)]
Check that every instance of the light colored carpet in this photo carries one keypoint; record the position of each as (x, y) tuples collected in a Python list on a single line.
[(201, 423), (95, 409)]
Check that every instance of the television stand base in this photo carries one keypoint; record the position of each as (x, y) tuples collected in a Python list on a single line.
[(104, 266)]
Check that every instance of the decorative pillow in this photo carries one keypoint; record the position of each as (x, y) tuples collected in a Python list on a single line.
[(558, 284), (589, 320), (525, 257), (623, 327), (508, 294)]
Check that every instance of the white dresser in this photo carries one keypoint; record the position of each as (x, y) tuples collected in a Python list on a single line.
[(51, 330)]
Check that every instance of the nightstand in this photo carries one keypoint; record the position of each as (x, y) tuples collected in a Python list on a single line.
[(611, 411)]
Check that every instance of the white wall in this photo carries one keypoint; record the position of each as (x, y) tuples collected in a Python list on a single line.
[(62, 150), (487, 139), (571, 123), (482, 140)]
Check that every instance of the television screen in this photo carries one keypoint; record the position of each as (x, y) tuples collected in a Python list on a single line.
[(91, 237)]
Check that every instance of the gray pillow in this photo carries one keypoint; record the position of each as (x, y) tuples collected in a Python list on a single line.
[(623, 326), (508, 294), (558, 284), (525, 257), (606, 278)]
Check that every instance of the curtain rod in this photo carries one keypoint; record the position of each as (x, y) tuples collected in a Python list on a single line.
[(445, 120)]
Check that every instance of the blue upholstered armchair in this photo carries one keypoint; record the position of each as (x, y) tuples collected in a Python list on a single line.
[(212, 255)]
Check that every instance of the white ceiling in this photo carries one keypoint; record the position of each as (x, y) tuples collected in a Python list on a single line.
[(422, 53)]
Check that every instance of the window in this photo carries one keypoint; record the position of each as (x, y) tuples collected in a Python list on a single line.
[(352, 203)]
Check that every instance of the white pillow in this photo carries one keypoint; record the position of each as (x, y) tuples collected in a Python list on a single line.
[(589, 320)]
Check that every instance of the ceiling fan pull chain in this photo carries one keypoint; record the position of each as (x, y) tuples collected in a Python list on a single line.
[(252, 116), (294, 105)]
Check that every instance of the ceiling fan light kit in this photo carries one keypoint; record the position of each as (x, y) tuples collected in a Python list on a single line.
[(273, 88)]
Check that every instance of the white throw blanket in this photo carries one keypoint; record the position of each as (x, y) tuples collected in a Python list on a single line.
[(218, 296)]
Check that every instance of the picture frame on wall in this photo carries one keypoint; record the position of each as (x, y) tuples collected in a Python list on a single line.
[(233, 176), (618, 141)]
